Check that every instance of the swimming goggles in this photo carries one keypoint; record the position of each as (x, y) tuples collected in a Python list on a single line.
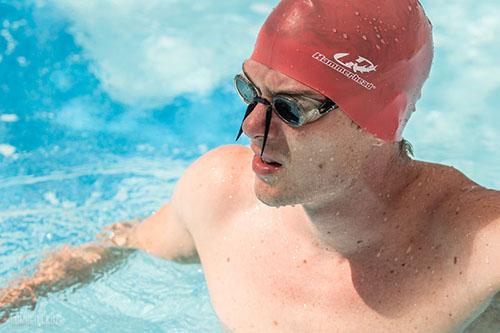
[(287, 107)]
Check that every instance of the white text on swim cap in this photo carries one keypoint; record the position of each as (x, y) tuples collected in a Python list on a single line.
[(347, 73)]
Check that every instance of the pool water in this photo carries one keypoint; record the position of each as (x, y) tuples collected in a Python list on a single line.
[(103, 104)]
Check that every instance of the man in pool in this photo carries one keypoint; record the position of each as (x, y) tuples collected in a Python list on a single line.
[(325, 224)]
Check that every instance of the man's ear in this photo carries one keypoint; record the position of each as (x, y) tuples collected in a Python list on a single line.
[(390, 119)]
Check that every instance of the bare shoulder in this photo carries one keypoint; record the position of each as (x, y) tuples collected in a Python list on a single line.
[(482, 228), (484, 263), (198, 199), (469, 219), (213, 184), (487, 240)]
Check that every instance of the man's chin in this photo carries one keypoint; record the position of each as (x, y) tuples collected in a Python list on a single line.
[(268, 201), (269, 195)]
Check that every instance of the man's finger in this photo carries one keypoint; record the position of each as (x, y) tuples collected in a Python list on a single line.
[(4, 316)]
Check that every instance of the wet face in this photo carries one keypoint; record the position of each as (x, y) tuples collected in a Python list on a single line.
[(316, 159)]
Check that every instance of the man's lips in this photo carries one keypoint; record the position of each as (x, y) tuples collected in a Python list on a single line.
[(263, 168), (266, 157)]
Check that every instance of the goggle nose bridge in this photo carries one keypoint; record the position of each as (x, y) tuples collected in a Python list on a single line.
[(267, 124)]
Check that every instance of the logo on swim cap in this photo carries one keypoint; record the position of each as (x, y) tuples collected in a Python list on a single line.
[(370, 57), (362, 65), (356, 67)]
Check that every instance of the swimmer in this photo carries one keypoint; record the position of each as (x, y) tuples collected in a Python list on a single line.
[(326, 224)]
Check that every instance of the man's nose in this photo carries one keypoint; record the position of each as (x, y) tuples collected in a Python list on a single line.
[(254, 125)]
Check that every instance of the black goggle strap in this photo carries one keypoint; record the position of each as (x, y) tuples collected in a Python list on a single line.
[(269, 114), (250, 108), (267, 125)]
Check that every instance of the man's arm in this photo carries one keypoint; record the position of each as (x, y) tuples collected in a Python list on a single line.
[(163, 234), (166, 234), (66, 267)]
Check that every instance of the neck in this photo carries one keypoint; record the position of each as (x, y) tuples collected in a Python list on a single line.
[(368, 216)]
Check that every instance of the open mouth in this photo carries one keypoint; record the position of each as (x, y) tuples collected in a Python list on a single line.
[(264, 166), (270, 162)]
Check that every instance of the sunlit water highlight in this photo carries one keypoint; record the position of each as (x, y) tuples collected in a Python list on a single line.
[(103, 105)]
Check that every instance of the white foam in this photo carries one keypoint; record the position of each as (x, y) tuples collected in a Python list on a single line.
[(51, 198), (22, 61), (122, 195), (11, 43), (9, 117), (467, 77), (7, 150), (146, 54), (203, 148), (80, 114), (261, 8), (17, 24)]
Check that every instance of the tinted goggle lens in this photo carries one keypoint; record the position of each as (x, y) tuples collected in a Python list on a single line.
[(288, 110), (245, 89)]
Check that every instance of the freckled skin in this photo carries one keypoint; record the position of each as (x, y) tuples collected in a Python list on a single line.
[(282, 273), (369, 242)]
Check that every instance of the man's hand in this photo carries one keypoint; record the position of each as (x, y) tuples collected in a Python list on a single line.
[(16, 297), (120, 234)]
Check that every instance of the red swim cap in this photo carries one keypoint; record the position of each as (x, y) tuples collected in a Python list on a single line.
[(371, 57)]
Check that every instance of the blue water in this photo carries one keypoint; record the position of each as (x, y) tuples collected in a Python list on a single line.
[(103, 104)]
